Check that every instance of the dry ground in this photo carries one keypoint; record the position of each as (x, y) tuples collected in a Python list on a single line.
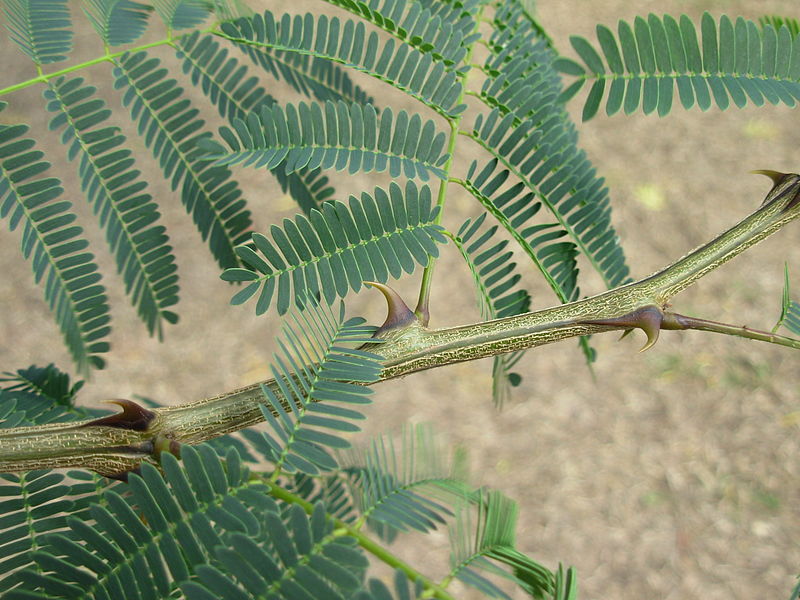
[(669, 474)]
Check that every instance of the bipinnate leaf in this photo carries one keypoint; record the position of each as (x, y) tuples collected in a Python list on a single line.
[(483, 538), (42, 29), (338, 248), (183, 14), (171, 129), (55, 246), (421, 75), (337, 136), (320, 381), (118, 22), (405, 485), (117, 193), (229, 86), (728, 63), (530, 134)]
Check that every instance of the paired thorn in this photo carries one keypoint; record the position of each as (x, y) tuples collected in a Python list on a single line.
[(649, 319), (133, 416)]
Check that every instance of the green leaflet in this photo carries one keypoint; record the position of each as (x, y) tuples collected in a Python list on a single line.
[(39, 395), (338, 248), (777, 21), (318, 371), (790, 310), (428, 28), (41, 28), (514, 206), (118, 22), (55, 246), (336, 136), (204, 528), (128, 214), (402, 484), (172, 130), (792, 322), (495, 284), (479, 545), (311, 76), (33, 504), (419, 75), (729, 63), (531, 135), (235, 95), (183, 14)]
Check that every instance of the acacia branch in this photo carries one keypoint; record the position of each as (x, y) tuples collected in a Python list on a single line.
[(119, 443)]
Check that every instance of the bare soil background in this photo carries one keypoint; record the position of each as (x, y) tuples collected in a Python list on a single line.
[(667, 474)]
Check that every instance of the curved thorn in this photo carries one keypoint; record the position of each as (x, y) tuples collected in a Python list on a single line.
[(650, 323), (783, 185), (398, 315), (647, 318), (776, 176), (133, 416)]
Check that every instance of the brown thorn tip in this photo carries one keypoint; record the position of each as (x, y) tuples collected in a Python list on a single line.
[(398, 315), (133, 416)]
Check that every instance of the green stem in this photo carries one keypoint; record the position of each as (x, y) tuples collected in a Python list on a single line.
[(742, 331), (107, 57), (422, 311), (378, 551)]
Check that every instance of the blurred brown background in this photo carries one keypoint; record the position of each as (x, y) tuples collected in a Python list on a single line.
[(669, 474)]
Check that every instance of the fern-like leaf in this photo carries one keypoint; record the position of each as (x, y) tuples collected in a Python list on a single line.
[(420, 75), (337, 249), (531, 136), (169, 125), (235, 94), (204, 529), (118, 22), (183, 14), (56, 247), (302, 559), (729, 63), (514, 207), (394, 484), (478, 547), (188, 511), (40, 395), (315, 389), (429, 29), (334, 136), (495, 281), (126, 212), (34, 504), (41, 28), (311, 76)]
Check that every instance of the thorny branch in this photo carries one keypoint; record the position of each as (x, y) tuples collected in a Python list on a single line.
[(117, 444)]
